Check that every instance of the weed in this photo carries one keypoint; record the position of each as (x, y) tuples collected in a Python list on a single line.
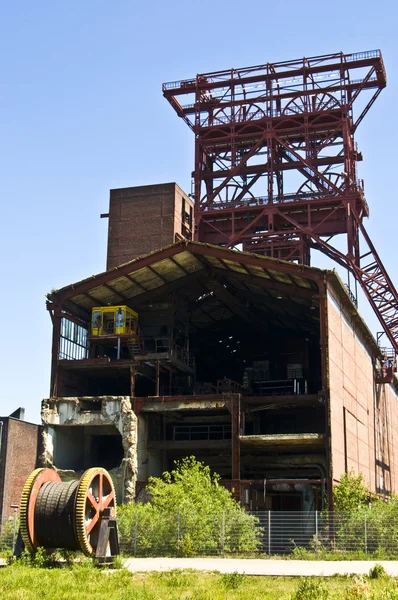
[(300, 553), (377, 572), (232, 581), (311, 589), (390, 593), (176, 578), (359, 590)]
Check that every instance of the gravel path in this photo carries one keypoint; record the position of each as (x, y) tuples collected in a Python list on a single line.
[(253, 566)]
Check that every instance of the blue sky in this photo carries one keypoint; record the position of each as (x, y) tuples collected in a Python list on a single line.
[(82, 112)]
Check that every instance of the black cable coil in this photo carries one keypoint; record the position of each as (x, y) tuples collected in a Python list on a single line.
[(55, 515)]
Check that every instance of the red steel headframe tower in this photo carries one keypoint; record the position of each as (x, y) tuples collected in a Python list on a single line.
[(276, 162)]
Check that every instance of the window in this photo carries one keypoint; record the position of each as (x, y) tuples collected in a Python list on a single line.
[(97, 319), (119, 317), (73, 341)]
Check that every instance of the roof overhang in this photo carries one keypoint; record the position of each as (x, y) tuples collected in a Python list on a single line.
[(165, 270)]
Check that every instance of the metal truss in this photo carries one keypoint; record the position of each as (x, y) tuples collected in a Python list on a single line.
[(276, 162)]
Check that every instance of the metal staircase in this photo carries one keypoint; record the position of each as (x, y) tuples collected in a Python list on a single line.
[(135, 344)]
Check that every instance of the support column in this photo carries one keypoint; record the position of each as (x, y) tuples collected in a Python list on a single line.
[(233, 405), (323, 342), (132, 382), (157, 378), (56, 320)]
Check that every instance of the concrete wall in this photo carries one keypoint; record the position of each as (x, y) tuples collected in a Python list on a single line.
[(18, 458), (106, 411), (363, 415), (143, 219), (150, 461)]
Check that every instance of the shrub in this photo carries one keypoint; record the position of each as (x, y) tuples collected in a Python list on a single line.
[(189, 513), (351, 493)]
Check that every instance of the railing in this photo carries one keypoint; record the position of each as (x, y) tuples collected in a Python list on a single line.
[(363, 55), (301, 535), (281, 387), (259, 114), (266, 112), (261, 200), (171, 85), (201, 432), (286, 199), (182, 354), (351, 295)]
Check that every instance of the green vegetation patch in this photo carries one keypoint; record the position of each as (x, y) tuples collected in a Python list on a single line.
[(21, 582), (189, 513)]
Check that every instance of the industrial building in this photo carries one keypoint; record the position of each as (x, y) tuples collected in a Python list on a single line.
[(19, 449), (210, 334)]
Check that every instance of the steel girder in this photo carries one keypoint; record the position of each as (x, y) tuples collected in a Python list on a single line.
[(261, 129)]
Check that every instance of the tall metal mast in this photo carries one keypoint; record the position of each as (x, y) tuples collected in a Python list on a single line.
[(276, 162)]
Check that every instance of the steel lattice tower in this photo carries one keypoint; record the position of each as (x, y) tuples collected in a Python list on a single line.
[(276, 162)]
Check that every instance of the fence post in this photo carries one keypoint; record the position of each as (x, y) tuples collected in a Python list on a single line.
[(316, 532), (269, 534), (178, 529), (14, 535), (366, 533), (135, 532), (223, 533)]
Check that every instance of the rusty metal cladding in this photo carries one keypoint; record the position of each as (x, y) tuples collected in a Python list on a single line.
[(276, 162)]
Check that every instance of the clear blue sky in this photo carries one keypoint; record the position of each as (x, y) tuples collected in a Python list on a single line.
[(82, 112)]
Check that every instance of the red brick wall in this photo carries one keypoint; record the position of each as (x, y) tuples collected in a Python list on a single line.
[(143, 219), (18, 459)]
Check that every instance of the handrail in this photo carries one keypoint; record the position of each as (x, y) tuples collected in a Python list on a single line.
[(287, 198), (228, 73)]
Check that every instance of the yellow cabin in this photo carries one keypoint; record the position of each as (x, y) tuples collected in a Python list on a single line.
[(114, 321)]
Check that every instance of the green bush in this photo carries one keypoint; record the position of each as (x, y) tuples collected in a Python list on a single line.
[(351, 497), (351, 494), (189, 513)]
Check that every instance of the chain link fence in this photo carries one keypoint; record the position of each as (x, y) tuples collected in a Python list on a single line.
[(8, 533), (362, 534), (294, 534)]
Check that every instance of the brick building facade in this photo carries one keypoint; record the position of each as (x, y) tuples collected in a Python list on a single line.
[(146, 218), (19, 448)]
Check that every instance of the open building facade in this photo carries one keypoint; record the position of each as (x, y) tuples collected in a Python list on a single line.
[(254, 362), (261, 368)]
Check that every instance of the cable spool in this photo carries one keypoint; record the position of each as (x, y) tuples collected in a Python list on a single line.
[(57, 514)]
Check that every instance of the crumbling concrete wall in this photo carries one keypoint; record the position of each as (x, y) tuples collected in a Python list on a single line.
[(91, 411)]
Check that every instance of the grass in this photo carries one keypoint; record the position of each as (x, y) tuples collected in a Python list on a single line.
[(20, 582)]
